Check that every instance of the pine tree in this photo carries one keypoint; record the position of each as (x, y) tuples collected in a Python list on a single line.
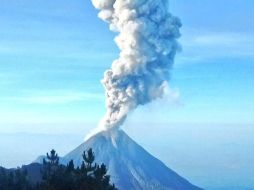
[(97, 176), (52, 159), (89, 157), (21, 181), (14, 180), (70, 166), (51, 172), (3, 179), (89, 176)]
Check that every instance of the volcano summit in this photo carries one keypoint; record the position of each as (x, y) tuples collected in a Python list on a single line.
[(129, 165)]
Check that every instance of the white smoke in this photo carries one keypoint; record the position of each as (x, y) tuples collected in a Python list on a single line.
[(147, 39)]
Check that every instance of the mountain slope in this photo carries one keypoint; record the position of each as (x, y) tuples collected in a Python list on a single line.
[(130, 166)]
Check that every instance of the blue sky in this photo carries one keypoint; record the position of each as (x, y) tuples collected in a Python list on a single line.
[(52, 58), (53, 55)]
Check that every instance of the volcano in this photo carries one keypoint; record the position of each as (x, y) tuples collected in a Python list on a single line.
[(129, 165)]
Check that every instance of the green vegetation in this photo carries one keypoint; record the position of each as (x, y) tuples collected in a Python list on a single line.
[(90, 176)]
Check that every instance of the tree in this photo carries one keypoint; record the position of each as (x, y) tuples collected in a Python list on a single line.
[(90, 176), (89, 157), (96, 175), (14, 180), (21, 181), (52, 158), (70, 166), (3, 178), (51, 172)]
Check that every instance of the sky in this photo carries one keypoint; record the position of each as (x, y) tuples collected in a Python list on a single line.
[(53, 55)]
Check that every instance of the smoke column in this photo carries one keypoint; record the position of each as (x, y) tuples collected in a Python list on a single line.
[(147, 39)]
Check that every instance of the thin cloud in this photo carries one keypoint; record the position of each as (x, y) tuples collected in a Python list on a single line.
[(199, 47), (223, 39), (56, 99)]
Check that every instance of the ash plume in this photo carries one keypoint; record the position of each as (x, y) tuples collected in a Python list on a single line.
[(147, 39)]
